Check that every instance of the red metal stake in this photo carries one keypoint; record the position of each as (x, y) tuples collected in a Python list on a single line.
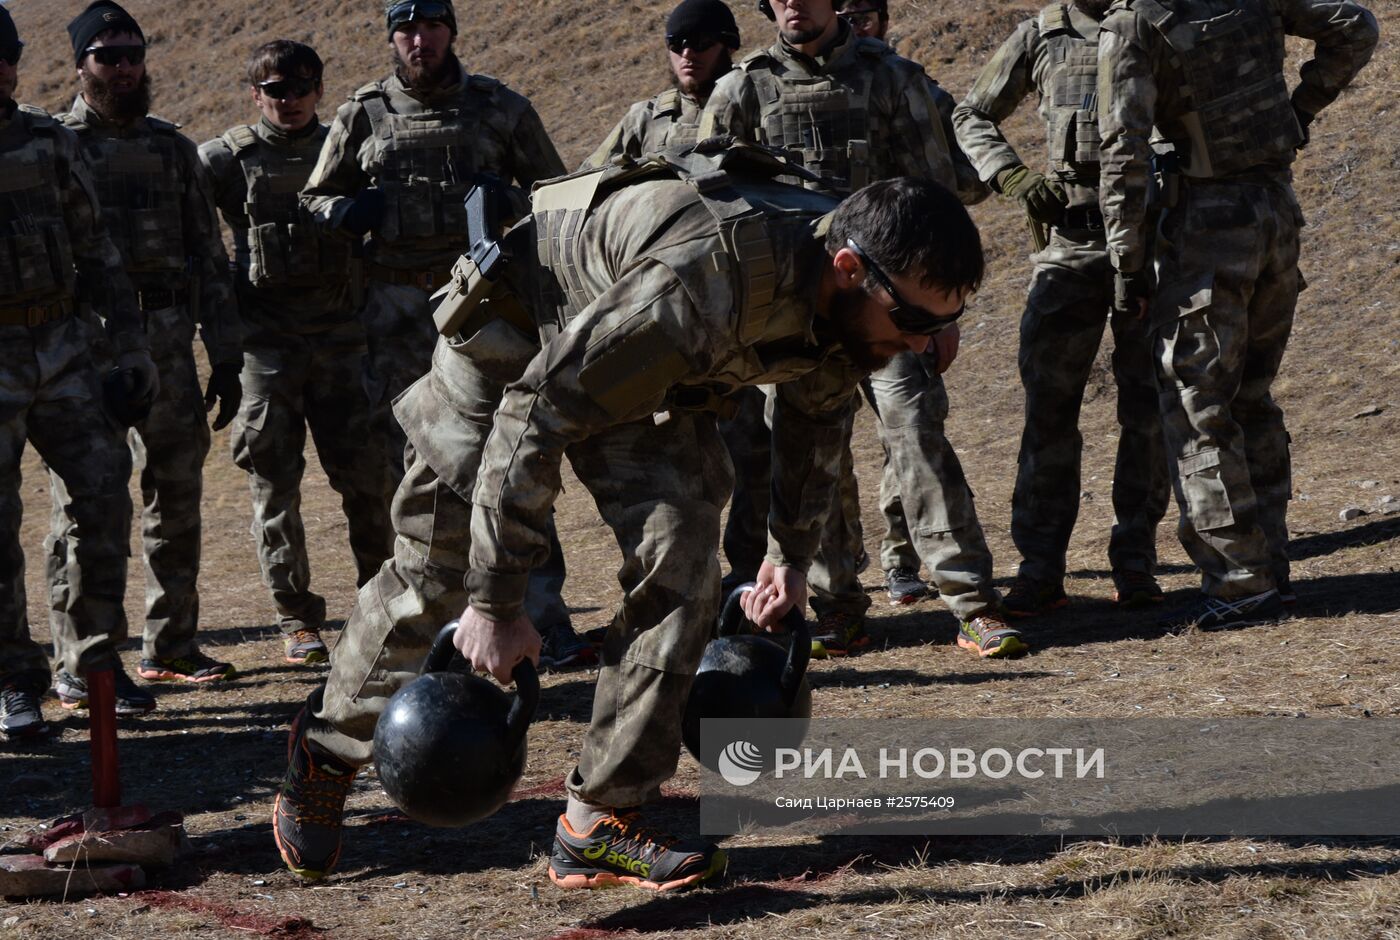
[(102, 731)]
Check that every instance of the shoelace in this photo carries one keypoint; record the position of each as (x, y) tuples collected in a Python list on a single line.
[(633, 835), (302, 636), (319, 797), (14, 700)]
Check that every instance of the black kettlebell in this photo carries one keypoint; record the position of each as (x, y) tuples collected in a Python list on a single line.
[(746, 675), (450, 745)]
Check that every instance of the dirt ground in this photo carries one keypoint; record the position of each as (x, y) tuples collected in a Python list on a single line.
[(217, 754)]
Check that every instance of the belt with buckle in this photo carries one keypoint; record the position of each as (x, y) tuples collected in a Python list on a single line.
[(1084, 220), (35, 314), (428, 280), (158, 298)]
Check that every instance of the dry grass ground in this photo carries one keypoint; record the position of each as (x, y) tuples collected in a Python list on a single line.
[(217, 754)]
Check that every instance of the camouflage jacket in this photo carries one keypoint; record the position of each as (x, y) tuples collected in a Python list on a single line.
[(424, 151), (291, 276), (856, 114), (1054, 55), (663, 325), (669, 119), (53, 244), (1154, 57), (158, 210)]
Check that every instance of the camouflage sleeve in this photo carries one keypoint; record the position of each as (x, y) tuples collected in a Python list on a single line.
[(1127, 105), (809, 436), (230, 192), (613, 364), (971, 189), (916, 132), (219, 323), (1000, 87), (1346, 35), (102, 280), (338, 175), (732, 108), (535, 158), (623, 140)]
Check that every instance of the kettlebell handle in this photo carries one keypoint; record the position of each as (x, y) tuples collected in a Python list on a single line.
[(527, 680), (732, 617)]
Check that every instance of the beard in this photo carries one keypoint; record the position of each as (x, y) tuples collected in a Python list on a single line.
[(702, 91), (1098, 9), (117, 106), (798, 37), (426, 78), (845, 310)]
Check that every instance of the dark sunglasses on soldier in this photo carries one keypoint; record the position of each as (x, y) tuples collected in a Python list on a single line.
[(11, 54), (909, 318), (287, 88), (699, 44), (860, 19), (111, 56)]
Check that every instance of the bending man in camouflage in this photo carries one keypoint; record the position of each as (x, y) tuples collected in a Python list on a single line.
[(53, 253), (652, 337), (1055, 56), (304, 352), (1208, 75), (700, 37), (851, 110), (157, 207)]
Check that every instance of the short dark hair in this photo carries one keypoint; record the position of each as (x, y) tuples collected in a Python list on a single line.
[(912, 227), (286, 58)]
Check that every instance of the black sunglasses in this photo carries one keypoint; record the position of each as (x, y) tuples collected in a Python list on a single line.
[(910, 318), (11, 54), (112, 55), (679, 44), (860, 19), (287, 88)]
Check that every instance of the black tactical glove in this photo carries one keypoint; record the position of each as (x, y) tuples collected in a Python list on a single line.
[(1043, 200), (1130, 291), (130, 389), (365, 212), (1304, 120), (225, 388)]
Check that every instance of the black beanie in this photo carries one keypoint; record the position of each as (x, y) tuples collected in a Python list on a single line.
[(9, 36), (100, 16), (704, 18)]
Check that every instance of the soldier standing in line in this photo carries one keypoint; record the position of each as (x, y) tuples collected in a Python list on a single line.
[(304, 349), (401, 156), (701, 36), (852, 110), (158, 211), (652, 339), (54, 253), (1220, 284), (1055, 56)]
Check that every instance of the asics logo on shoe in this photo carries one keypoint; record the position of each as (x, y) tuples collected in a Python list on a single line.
[(595, 852)]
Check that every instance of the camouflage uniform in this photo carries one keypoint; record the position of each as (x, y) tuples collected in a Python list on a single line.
[(671, 119), (653, 337), (1208, 74), (302, 366), (423, 150), (856, 114), (158, 210), (1055, 55), (50, 390)]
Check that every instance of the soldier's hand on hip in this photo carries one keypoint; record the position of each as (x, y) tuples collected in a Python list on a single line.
[(496, 646), (226, 389), (1043, 199), (777, 590)]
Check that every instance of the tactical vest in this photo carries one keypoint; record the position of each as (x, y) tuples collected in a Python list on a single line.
[(141, 186), (823, 120), (1230, 59), (1070, 102), (427, 162), (36, 257), (284, 247), (757, 234), (665, 124)]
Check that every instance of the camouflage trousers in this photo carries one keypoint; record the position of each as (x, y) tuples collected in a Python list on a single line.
[(1070, 298), (447, 416), (911, 406), (50, 395), (897, 545), (169, 446), (291, 383), (399, 328), (1227, 285)]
